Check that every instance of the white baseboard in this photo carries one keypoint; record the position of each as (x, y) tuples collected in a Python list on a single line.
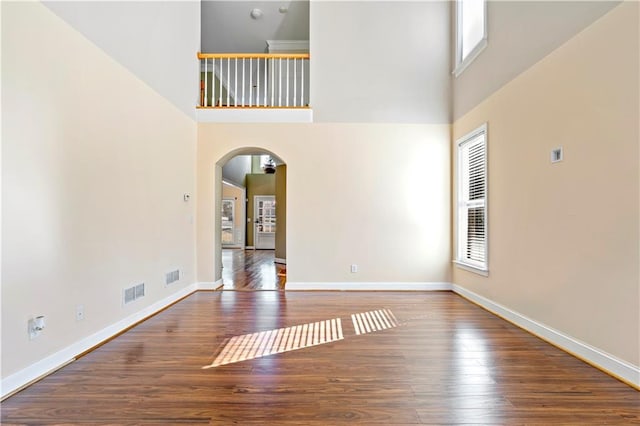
[(280, 260), (36, 371), (210, 285), (618, 368), (370, 286)]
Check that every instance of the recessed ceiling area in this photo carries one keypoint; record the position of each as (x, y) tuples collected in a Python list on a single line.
[(229, 27)]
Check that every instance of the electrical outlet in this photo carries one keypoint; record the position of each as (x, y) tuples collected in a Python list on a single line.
[(79, 312), (354, 268)]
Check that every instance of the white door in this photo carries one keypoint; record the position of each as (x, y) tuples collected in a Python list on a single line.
[(265, 222)]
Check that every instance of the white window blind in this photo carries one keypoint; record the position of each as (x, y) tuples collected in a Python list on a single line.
[(471, 194)]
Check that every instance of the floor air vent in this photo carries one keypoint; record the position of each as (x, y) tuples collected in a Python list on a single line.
[(133, 293), (172, 277)]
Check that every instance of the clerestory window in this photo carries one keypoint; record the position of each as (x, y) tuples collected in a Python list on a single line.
[(471, 31)]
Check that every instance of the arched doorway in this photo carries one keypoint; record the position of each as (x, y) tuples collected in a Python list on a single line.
[(256, 261)]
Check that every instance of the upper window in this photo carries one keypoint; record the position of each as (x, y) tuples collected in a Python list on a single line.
[(471, 31), (471, 211)]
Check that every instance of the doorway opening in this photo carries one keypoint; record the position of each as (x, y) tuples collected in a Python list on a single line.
[(251, 227)]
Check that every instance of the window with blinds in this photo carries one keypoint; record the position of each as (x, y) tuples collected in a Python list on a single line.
[(471, 215)]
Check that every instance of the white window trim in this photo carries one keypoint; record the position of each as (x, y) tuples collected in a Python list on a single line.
[(460, 263), (461, 65)]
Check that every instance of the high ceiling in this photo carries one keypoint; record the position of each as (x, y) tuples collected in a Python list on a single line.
[(227, 26)]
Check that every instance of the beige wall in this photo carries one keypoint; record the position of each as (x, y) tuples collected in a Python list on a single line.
[(281, 211), (372, 194), (94, 168), (563, 238)]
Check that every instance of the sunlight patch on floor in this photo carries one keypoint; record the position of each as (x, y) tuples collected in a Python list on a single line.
[(371, 321), (264, 343), (257, 345)]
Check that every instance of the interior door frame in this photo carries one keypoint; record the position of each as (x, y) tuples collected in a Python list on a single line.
[(241, 213)]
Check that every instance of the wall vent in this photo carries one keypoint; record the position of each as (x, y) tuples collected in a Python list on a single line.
[(172, 277), (133, 293), (139, 290)]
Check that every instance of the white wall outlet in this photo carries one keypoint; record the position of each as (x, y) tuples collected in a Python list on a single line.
[(354, 268), (79, 312), (557, 155)]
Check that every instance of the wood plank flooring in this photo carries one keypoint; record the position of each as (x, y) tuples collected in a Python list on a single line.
[(249, 270), (446, 362)]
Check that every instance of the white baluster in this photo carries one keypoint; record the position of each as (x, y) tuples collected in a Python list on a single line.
[(265, 83), (213, 80), (205, 82), (295, 81), (258, 81), (288, 81), (250, 81), (220, 81), (280, 82), (242, 81), (235, 83), (273, 92), (302, 84), (228, 79)]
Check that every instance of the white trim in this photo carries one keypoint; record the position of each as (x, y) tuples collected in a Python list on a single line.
[(208, 285), (467, 267), (53, 362), (470, 58), (287, 46), (249, 248), (610, 364), (254, 115), (369, 286), (280, 260)]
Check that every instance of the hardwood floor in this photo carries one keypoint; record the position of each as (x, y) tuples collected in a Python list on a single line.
[(249, 270), (441, 360)]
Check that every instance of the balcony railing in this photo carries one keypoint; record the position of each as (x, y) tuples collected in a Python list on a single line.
[(254, 80)]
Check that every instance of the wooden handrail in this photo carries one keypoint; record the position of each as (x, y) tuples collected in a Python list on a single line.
[(253, 55)]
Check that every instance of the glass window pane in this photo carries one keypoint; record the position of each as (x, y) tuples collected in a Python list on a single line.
[(472, 16)]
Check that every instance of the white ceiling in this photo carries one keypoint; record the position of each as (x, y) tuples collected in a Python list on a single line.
[(227, 26)]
